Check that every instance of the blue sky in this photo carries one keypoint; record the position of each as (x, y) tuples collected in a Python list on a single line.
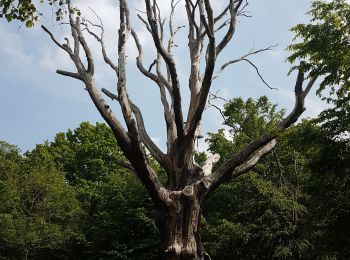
[(36, 103)]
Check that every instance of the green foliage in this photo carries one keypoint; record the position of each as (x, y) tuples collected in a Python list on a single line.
[(69, 199), (26, 11), (22, 10), (295, 203), (256, 215), (249, 118), (246, 120), (200, 158), (328, 191), (336, 120), (325, 45), (10, 159), (73, 193), (251, 219), (87, 153), (39, 212), (118, 215)]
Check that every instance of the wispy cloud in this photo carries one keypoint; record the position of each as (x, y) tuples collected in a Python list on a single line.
[(13, 51)]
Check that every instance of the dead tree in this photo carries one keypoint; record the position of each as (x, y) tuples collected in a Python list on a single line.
[(178, 201)]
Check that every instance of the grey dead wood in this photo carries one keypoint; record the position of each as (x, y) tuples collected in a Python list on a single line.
[(178, 201)]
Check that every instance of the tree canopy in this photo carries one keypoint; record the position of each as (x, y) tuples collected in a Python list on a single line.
[(324, 44)]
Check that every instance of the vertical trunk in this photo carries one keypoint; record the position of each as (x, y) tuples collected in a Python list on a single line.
[(179, 229), (26, 253)]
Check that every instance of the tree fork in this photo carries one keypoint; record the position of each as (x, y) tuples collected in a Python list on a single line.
[(179, 224), (179, 203)]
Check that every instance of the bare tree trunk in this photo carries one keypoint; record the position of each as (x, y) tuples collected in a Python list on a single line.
[(178, 202), (179, 227)]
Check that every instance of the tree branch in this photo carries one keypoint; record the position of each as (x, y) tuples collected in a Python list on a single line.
[(232, 27), (64, 47), (166, 109), (155, 152), (243, 57), (196, 36), (172, 70), (263, 144), (222, 14), (70, 74), (126, 165), (172, 31), (91, 66), (100, 39), (153, 77), (254, 159), (128, 142), (207, 80), (260, 76)]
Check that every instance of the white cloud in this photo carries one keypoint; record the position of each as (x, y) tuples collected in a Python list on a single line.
[(13, 51), (53, 58), (277, 53), (314, 106)]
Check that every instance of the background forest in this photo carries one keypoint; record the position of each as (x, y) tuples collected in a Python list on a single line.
[(71, 199), (67, 199)]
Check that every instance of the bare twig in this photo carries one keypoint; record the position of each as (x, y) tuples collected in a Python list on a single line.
[(260, 76), (250, 53), (212, 97)]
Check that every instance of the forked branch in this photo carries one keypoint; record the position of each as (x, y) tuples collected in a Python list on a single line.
[(203, 46), (129, 142), (209, 70), (251, 154), (242, 58), (175, 84), (100, 39)]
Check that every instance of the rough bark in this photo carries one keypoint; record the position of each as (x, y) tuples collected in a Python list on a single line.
[(179, 224)]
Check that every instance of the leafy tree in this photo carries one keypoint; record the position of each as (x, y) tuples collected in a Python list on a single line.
[(27, 10), (245, 120), (253, 220), (336, 120), (327, 187), (276, 211), (329, 201), (118, 213), (10, 159), (114, 218), (87, 153), (325, 45), (39, 213), (256, 216)]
